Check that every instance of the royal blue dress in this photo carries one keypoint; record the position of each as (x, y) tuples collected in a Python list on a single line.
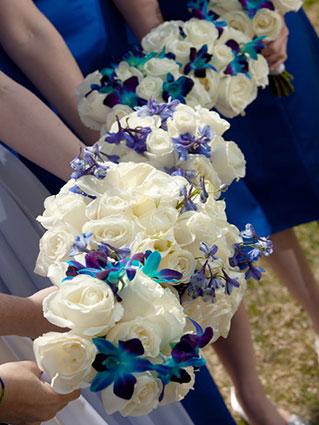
[(280, 139), (96, 34)]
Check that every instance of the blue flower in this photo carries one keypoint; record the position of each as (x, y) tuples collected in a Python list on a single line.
[(80, 243), (89, 162), (151, 266), (250, 251), (163, 110), (200, 10), (124, 93), (252, 6), (199, 62), (187, 203), (177, 89), (187, 143), (252, 48), (135, 138), (117, 365)]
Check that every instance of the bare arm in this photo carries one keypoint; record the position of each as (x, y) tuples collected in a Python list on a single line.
[(38, 49), (141, 15), (34, 131), (24, 316)]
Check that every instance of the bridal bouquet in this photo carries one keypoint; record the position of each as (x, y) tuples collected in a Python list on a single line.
[(147, 267), (197, 62), (259, 18)]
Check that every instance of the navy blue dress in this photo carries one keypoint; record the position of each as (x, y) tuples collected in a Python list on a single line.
[(96, 34), (280, 139)]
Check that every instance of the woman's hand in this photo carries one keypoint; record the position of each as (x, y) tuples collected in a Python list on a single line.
[(26, 398), (276, 51)]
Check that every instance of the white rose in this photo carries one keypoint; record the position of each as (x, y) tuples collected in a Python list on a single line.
[(222, 56), (92, 110), (107, 205), (180, 260), (118, 231), (285, 6), (193, 229), (85, 87), (143, 329), (224, 6), (158, 220), (199, 32), (183, 121), (239, 20), (124, 71), (229, 162), (161, 36), (145, 398), (67, 360), (159, 142), (211, 84), (64, 209), (176, 392), (199, 96), (150, 88), (145, 298), (259, 70), (161, 186), (232, 34), (181, 50), (203, 166), (55, 246), (216, 315), (85, 304), (57, 272), (160, 67), (161, 243), (213, 119), (235, 94), (134, 121), (268, 23), (118, 111)]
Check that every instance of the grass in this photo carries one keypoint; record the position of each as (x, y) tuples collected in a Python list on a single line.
[(283, 341), (282, 335)]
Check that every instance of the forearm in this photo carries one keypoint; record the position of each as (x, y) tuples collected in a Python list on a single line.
[(24, 316), (39, 50), (141, 15), (34, 131)]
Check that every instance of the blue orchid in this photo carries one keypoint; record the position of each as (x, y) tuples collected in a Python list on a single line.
[(252, 6), (176, 89), (254, 47), (239, 64), (117, 365), (150, 268), (124, 93), (200, 10), (199, 62)]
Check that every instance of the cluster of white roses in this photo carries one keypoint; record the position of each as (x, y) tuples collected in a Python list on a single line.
[(137, 207), (161, 203), (256, 19), (206, 153), (222, 87)]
